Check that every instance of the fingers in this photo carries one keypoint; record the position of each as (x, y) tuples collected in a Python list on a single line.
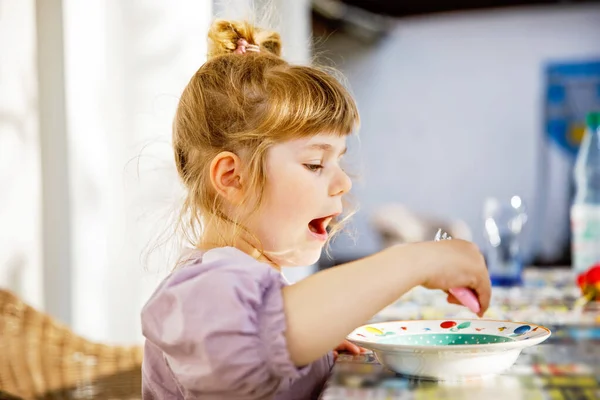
[(482, 285), (452, 300), (484, 293), (350, 347), (483, 289)]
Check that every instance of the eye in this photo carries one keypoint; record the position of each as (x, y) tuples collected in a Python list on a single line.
[(313, 167)]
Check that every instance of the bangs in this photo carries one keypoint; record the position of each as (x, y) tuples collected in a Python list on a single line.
[(305, 101)]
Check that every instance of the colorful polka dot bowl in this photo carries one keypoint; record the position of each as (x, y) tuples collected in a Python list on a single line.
[(459, 349)]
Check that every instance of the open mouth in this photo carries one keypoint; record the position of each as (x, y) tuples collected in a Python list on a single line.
[(318, 226)]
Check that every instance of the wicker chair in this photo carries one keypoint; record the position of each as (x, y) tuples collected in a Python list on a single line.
[(40, 358)]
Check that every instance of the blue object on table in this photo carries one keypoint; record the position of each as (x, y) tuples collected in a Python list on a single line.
[(504, 222)]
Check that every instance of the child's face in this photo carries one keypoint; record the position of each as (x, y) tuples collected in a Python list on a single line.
[(304, 190)]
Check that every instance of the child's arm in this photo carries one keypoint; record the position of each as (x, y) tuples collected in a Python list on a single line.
[(323, 308)]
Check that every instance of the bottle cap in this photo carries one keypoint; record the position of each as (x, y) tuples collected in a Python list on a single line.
[(592, 120)]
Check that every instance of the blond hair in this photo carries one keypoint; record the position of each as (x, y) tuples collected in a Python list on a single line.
[(245, 103)]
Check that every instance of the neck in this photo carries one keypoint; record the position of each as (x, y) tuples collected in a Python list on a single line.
[(224, 235)]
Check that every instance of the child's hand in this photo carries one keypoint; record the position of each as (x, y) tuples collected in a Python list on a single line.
[(348, 347), (455, 264)]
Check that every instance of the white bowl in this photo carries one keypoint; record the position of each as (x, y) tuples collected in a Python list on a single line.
[(456, 349)]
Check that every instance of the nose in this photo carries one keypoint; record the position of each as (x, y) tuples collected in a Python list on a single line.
[(340, 184)]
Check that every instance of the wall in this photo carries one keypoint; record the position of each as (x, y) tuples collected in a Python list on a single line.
[(452, 113)]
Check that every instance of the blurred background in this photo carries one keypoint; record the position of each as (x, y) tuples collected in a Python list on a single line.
[(459, 104)]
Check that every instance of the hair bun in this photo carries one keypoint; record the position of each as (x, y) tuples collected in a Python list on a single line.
[(223, 36)]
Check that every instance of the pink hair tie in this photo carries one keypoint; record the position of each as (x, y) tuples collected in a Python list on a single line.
[(243, 46)]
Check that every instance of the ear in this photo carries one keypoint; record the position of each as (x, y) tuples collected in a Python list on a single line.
[(226, 176)]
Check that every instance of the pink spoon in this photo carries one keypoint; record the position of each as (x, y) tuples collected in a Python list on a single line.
[(464, 295)]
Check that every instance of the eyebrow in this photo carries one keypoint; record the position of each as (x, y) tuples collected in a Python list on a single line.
[(326, 147)]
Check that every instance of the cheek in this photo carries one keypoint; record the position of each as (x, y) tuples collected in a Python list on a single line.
[(289, 185), (285, 204), (295, 195)]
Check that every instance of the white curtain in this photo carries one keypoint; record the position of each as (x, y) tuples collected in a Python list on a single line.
[(126, 64), (20, 254)]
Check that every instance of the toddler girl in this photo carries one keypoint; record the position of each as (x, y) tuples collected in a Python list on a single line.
[(258, 144)]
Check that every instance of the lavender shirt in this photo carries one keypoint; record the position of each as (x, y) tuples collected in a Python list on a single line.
[(215, 330)]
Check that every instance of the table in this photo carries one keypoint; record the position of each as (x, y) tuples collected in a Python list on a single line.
[(566, 366)]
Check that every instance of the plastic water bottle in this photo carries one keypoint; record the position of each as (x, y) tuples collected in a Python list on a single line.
[(585, 211)]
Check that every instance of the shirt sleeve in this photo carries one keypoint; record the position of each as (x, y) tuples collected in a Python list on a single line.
[(222, 331)]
